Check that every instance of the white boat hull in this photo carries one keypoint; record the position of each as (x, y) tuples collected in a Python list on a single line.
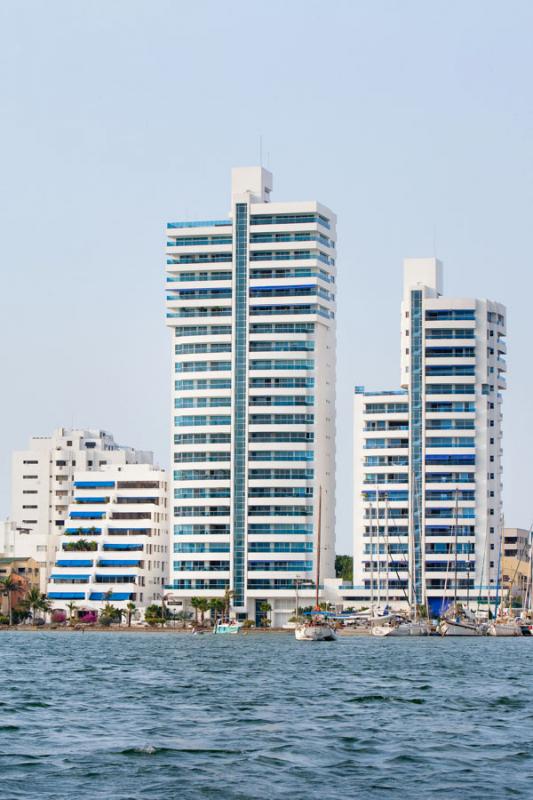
[(315, 633), (450, 628), (403, 629), (504, 629), (226, 628)]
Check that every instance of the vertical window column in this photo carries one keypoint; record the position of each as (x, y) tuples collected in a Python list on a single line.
[(415, 459), (240, 404)]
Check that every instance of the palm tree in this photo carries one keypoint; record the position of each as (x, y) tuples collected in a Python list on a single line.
[(8, 585), (35, 601), (265, 608), (72, 607), (131, 608), (195, 603), (228, 594), (217, 605), (203, 606)]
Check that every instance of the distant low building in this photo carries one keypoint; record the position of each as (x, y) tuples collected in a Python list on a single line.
[(114, 547), (42, 485), (515, 566), (26, 572)]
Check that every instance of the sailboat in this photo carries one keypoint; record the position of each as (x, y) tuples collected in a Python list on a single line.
[(459, 621), (397, 624), (317, 629), (506, 625), (401, 626)]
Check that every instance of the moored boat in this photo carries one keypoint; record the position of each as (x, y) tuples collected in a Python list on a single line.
[(402, 627), (315, 631), (504, 628), (226, 627), (460, 627)]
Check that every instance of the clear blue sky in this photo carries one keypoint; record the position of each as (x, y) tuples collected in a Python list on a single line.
[(413, 120)]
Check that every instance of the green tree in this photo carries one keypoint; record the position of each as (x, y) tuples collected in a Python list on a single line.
[(217, 605), (154, 615), (195, 603), (8, 586), (110, 613), (265, 608), (203, 606), (131, 608), (72, 607), (344, 568), (35, 601), (228, 595)]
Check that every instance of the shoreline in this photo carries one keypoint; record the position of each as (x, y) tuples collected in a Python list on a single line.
[(150, 630)]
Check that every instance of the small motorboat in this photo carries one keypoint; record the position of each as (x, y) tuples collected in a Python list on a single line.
[(227, 627)]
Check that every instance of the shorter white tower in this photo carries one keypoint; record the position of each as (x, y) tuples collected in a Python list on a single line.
[(114, 547), (427, 458)]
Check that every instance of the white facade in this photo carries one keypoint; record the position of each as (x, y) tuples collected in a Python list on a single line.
[(42, 485), (251, 305), (119, 515), (8, 537), (427, 458)]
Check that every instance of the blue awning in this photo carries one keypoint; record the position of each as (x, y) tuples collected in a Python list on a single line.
[(120, 546), (85, 514), (118, 562), (70, 563), (66, 595), (75, 577), (92, 499), (94, 484)]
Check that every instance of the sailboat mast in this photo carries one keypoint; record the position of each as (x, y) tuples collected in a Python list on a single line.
[(456, 525), (318, 547), (387, 553), (378, 546), (371, 517), (498, 573)]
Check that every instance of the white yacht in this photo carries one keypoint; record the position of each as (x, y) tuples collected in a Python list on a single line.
[(315, 631)]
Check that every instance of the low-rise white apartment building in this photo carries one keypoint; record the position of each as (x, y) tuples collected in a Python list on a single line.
[(114, 546), (427, 458), (42, 485)]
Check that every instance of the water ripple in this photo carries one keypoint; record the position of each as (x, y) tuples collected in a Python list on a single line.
[(261, 717)]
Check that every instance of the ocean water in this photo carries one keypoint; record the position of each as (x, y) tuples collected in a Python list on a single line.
[(120, 716)]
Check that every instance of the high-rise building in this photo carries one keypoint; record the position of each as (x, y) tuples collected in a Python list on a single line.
[(251, 305), (114, 547), (428, 458), (42, 485)]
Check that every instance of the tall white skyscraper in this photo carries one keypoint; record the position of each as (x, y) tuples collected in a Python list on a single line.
[(427, 458), (251, 305), (42, 481)]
